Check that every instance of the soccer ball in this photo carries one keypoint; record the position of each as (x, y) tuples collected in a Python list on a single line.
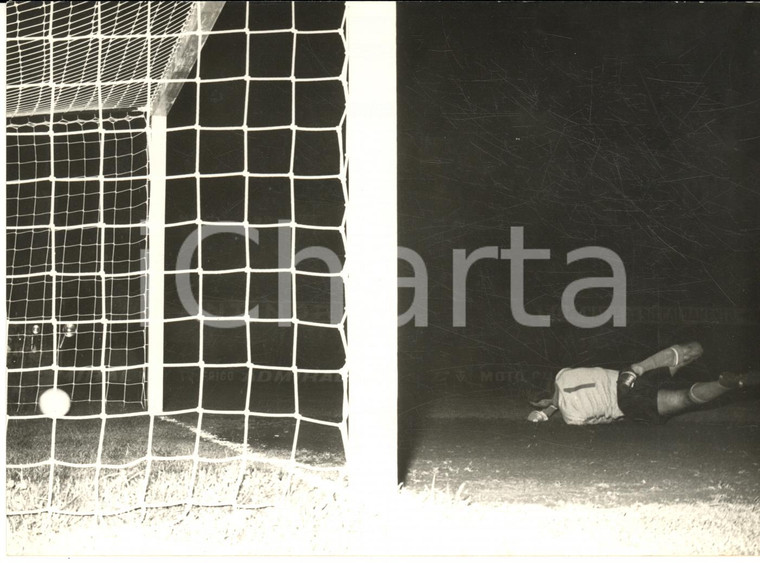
[(55, 403)]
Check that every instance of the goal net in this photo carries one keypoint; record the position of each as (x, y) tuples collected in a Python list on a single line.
[(76, 200), (176, 252)]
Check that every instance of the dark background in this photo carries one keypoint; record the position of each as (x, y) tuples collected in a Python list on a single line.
[(628, 126)]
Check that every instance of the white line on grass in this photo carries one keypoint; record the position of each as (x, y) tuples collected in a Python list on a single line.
[(245, 450)]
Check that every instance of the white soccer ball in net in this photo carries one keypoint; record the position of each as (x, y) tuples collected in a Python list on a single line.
[(55, 403)]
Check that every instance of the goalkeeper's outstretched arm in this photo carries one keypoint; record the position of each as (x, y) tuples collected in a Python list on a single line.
[(542, 415), (544, 408), (674, 358)]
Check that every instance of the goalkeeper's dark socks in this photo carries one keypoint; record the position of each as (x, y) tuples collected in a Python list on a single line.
[(731, 380)]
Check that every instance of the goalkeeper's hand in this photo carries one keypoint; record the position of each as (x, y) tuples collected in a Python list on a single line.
[(537, 416)]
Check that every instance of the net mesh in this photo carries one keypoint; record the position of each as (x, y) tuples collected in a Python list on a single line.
[(76, 199), (254, 332)]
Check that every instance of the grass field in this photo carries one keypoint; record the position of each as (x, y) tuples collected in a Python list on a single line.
[(490, 484), (434, 522)]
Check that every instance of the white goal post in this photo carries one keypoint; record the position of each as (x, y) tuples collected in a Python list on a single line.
[(372, 237), (185, 56)]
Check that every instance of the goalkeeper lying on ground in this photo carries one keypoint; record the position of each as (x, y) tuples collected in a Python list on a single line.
[(599, 396)]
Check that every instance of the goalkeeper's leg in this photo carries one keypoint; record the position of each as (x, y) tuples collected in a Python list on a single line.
[(672, 402)]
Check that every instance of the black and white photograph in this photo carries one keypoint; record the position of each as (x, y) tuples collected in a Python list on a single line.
[(381, 278)]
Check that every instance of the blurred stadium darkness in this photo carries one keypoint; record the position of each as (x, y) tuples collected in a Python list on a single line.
[(627, 126)]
